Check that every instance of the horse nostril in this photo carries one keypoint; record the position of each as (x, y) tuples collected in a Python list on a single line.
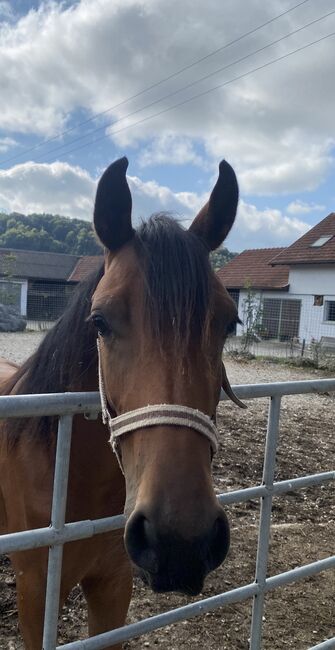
[(220, 541), (140, 542)]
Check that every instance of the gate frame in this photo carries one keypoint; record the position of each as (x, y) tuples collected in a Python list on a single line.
[(65, 405)]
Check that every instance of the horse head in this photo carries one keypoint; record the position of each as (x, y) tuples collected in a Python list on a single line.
[(162, 317)]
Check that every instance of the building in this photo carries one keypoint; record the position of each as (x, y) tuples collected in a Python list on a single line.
[(35, 282), (290, 290)]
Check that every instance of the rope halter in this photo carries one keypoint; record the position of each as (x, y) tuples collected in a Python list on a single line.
[(151, 416)]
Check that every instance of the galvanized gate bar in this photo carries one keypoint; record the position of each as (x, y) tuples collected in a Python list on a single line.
[(14, 406), (265, 521), (196, 609), (133, 630), (254, 391), (299, 573), (59, 499), (72, 403), (326, 645), (49, 536), (83, 529), (280, 487)]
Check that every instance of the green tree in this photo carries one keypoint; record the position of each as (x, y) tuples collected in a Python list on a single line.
[(221, 257), (252, 317), (47, 232)]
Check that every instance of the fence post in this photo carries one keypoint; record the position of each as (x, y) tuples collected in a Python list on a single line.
[(57, 522), (265, 522)]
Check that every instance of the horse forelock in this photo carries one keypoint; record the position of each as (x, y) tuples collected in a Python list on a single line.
[(177, 277)]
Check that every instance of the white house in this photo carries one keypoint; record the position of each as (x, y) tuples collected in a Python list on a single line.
[(295, 286)]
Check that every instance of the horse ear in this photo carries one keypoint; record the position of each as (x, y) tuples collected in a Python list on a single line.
[(216, 218), (112, 210)]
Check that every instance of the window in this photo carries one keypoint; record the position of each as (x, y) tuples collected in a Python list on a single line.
[(280, 319), (330, 310), (321, 241), (318, 301)]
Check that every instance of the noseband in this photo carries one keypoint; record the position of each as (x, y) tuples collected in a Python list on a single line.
[(151, 416)]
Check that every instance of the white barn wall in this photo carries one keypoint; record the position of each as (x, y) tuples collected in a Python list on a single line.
[(312, 321), (312, 279), (24, 297)]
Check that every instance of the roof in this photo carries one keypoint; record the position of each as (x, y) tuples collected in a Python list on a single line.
[(303, 251), (85, 266), (253, 267), (36, 264)]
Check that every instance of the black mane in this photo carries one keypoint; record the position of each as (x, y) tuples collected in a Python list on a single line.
[(68, 349), (60, 362)]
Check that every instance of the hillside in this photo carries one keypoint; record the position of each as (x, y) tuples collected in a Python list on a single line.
[(54, 234), (49, 233)]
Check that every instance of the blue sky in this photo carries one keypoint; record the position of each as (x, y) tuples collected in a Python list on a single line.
[(64, 63)]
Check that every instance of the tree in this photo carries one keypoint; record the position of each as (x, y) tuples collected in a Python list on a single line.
[(252, 318), (221, 257), (47, 232)]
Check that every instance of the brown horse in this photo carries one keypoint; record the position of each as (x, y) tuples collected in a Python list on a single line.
[(161, 317)]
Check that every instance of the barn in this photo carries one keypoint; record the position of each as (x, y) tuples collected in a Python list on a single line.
[(294, 287), (36, 283)]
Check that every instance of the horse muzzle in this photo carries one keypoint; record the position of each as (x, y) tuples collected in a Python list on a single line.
[(167, 561)]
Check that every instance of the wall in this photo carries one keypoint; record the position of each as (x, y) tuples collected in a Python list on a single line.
[(312, 318), (312, 279), (312, 321)]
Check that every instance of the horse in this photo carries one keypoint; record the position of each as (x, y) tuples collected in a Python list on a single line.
[(161, 317)]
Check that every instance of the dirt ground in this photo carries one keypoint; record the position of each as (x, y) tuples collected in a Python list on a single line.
[(298, 616)]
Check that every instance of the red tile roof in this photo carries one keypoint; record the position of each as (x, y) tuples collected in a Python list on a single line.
[(302, 251), (252, 267), (85, 266)]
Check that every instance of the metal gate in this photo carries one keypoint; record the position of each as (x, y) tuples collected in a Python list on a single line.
[(66, 405)]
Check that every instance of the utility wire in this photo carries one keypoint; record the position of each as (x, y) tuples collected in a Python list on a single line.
[(206, 92), (152, 86), (176, 92)]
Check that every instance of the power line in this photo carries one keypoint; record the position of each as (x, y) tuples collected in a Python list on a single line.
[(206, 92), (176, 92), (152, 86)]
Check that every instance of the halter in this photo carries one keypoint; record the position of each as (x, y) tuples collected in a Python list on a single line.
[(151, 416)]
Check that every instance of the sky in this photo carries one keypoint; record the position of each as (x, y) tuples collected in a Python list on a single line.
[(175, 86)]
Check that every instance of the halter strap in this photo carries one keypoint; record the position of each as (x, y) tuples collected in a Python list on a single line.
[(151, 416)]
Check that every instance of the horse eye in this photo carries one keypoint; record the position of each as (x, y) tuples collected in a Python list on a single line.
[(231, 327), (100, 324)]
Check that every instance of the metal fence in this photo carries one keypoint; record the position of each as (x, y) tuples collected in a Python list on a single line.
[(317, 353), (66, 405)]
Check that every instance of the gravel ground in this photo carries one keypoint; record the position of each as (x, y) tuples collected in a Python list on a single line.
[(296, 617), (18, 346)]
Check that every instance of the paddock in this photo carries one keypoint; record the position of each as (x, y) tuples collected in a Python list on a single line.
[(296, 616)]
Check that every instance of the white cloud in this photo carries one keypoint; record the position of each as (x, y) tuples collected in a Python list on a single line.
[(256, 228), (274, 125), (150, 197), (169, 149), (7, 143), (301, 207), (57, 188), (60, 188)]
